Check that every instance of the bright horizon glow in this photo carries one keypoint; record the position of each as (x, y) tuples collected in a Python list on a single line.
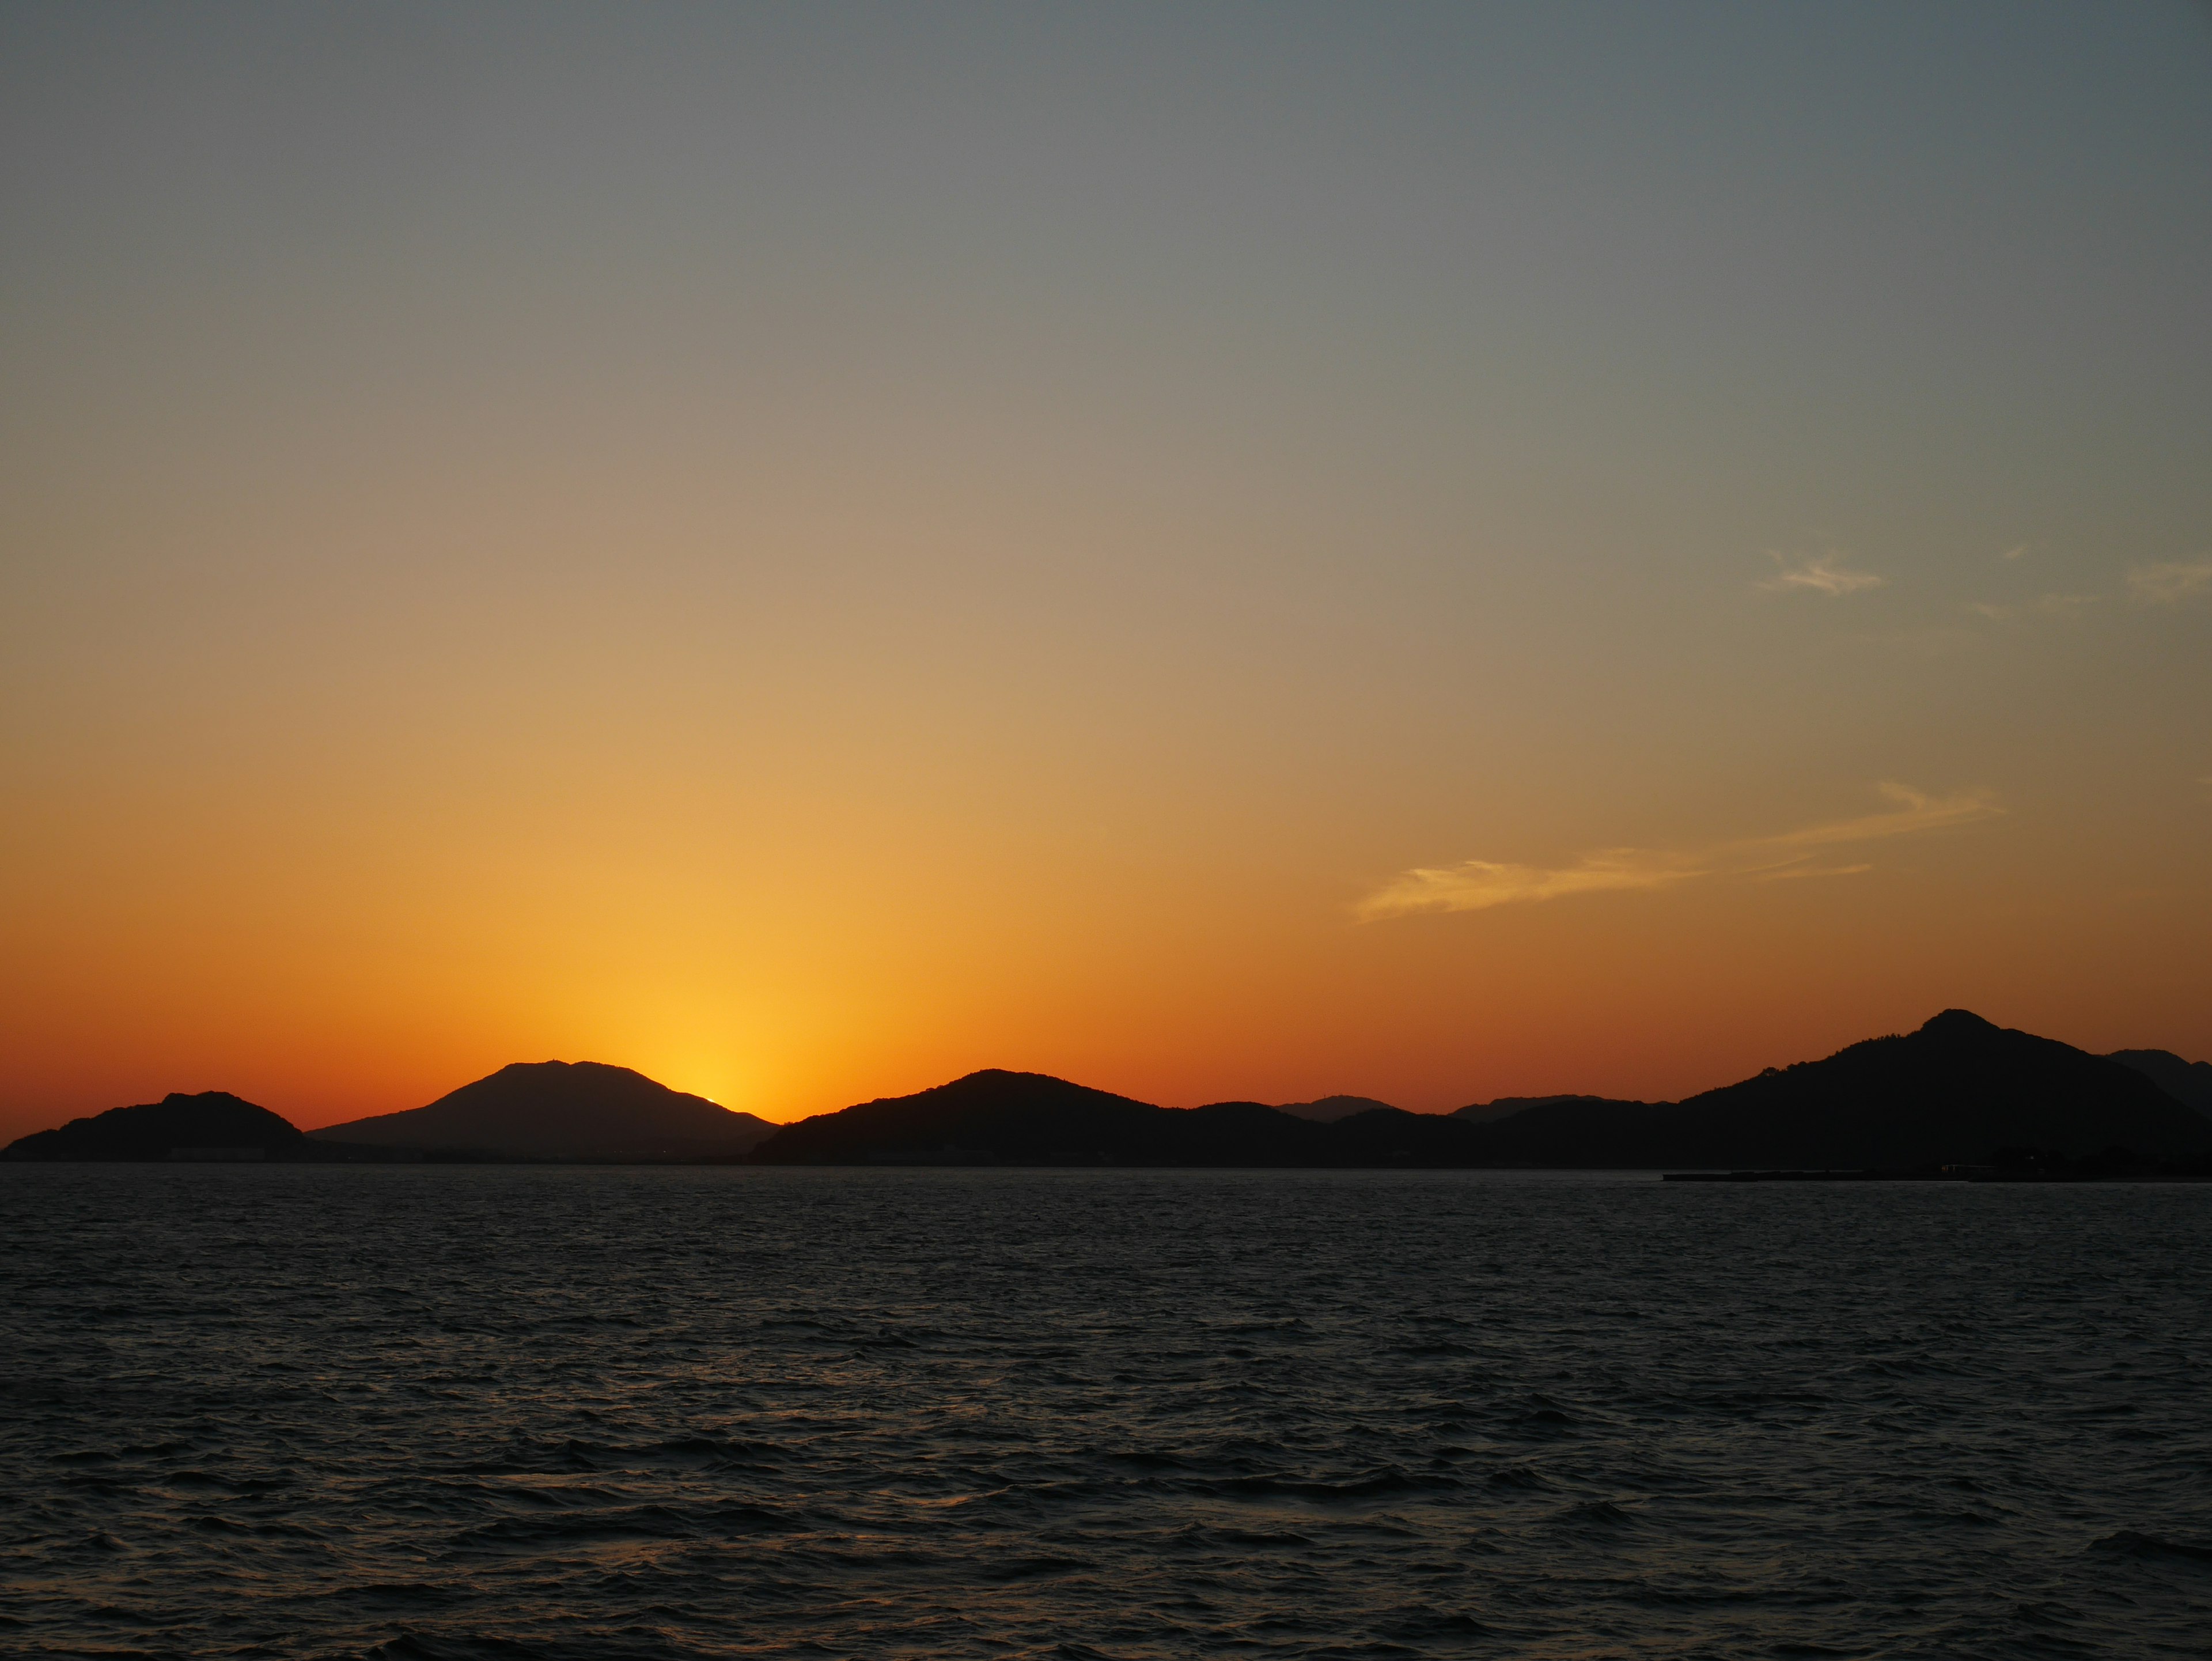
[(1256, 553)]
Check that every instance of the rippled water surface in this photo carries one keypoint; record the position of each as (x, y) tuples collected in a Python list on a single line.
[(614, 1413)]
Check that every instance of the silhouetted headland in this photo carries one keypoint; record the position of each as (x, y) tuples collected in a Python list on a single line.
[(563, 1111), (213, 1124)]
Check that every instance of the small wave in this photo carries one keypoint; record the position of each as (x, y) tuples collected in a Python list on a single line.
[(2128, 1542), (716, 1451), (1595, 1514), (1200, 1535), (1381, 1485), (1034, 1568), (1541, 1425), (1958, 1518), (654, 1522), (1518, 1477), (415, 1593), (420, 1646), (1141, 1460), (1439, 1623)]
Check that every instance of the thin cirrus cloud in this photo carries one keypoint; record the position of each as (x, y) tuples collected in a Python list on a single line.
[(1820, 574), (2050, 606), (2170, 582), (1478, 885)]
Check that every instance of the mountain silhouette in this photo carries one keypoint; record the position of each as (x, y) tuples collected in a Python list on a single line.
[(563, 1111), (2189, 1083), (176, 1126), (1956, 1091), (1330, 1108), (1505, 1106), (1032, 1118), (1953, 1092)]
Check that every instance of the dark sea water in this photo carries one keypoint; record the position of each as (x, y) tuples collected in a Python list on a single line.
[(514, 1412)]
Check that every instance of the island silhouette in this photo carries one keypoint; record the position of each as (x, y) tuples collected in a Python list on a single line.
[(209, 1124), (1960, 1093)]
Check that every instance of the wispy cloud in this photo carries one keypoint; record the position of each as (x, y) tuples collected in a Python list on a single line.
[(2171, 582), (1478, 885), (2050, 606), (1915, 811), (1824, 574), (2013, 553)]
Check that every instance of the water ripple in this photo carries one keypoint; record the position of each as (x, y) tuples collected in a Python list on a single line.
[(469, 1412)]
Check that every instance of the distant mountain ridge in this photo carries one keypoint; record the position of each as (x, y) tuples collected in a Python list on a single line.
[(1954, 1091), (1957, 1091), (2189, 1083), (563, 1111), (1031, 1118), (528, 1110), (1330, 1108), (1505, 1106)]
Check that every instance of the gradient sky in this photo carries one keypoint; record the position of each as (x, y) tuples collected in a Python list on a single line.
[(1235, 552)]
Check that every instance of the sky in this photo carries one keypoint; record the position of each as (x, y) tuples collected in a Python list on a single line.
[(1249, 553)]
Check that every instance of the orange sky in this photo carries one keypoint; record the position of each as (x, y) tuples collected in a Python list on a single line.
[(1216, 557)]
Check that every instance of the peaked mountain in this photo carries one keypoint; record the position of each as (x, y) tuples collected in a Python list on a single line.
[(210, 1119), (563, 1111), (1953, 1092), (2189, 1083), (1330, 1108)]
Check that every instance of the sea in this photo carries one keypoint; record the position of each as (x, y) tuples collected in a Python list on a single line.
[(608, 1413)]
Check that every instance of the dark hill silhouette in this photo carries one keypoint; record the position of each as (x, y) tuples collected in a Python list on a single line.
[(1031, 1118), (213, 1119), (2189, 1083), (1505, 1106), (1330, 1108), (563, 1111), (1953, 1092), (1956, 1091)]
